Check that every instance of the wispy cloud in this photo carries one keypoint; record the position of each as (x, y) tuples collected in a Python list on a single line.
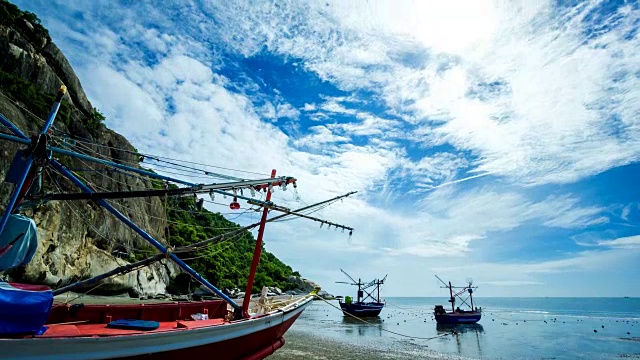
[(451, 140)]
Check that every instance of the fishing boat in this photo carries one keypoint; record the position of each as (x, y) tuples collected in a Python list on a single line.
[(361, 308), (458, 315), (32, 327)]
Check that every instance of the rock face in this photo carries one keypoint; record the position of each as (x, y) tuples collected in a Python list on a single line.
[(78, 239), (303, 286)]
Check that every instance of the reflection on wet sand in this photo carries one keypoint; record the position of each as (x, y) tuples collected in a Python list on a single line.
[(458, 331), (459, 328), (373, 326)]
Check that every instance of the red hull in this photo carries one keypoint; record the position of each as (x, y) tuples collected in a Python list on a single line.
[(253, 338), (257, 345)]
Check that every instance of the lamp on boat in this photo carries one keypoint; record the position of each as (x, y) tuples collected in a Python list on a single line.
[(253, 192), (234, 204)]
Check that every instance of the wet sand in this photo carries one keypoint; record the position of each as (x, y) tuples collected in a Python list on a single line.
[(304, 345)]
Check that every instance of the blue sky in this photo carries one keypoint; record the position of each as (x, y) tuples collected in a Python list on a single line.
[(493, 141)]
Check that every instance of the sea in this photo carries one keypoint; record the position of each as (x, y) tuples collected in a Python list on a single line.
[(510, 328)]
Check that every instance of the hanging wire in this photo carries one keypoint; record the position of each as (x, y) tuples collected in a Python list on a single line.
[(171, 161)]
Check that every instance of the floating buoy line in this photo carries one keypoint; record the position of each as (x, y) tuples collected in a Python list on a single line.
[(383, 329)]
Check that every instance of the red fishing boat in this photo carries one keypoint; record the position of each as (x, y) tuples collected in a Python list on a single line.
[(31, 327)]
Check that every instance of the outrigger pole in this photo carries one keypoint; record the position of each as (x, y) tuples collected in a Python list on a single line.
[(40, 152), (185, 249), (155, 243)]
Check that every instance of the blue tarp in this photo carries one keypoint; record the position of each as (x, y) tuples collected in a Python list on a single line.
[(17, 249), (24, 308)]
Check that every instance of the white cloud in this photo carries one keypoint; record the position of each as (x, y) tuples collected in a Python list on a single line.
[(629, 242), (512, 91), (287, 111), (320, 135), (625, 212), (309, 107), (370, 125), (517, 86)]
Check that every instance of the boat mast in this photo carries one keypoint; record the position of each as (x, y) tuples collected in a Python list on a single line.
[(359, 291), (471, 297), (37, 148), (378, 283), (185, 249), (256, 254), (453, 300)]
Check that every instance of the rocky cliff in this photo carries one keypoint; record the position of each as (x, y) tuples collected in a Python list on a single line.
[(77, 240)]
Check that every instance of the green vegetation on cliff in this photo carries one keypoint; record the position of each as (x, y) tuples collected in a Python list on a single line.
[(226, 263), (11, 15)]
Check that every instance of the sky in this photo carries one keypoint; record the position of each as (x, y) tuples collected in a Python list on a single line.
[(497, 141)]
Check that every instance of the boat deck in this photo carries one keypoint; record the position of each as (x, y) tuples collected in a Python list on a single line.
[(92, 330), (91, 320)]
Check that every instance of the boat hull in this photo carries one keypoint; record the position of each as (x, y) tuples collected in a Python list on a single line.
[(253, 338), (361, 309), (458, 318)]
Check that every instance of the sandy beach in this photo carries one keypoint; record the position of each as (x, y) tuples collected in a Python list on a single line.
[(304, 345)]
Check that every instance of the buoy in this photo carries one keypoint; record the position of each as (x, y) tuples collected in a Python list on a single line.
[(594, 330), (603, 326)]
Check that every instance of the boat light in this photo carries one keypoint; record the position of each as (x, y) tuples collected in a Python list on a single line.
[(234, 204)]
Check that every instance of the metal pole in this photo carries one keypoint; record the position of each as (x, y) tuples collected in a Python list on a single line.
[(452, 298), (256, 254), (145, 235), (15, 139), (4, 121), (222, 236), (189, 248), (118, 270), (25, 171)]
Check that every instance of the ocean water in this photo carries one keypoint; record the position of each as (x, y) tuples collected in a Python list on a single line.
[(511, 328)]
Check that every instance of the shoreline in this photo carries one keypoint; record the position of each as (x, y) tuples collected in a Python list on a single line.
[(305, 345)]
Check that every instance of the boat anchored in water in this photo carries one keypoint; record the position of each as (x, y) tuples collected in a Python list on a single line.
[(458, 315), (361, 308)]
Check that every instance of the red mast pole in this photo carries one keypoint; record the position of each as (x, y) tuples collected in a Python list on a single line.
[(452, 299), (256, 255)]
